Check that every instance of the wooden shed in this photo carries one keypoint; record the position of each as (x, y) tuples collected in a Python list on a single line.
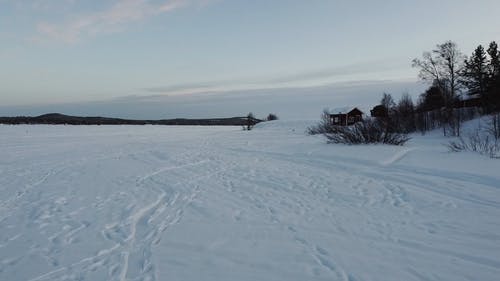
[(346, 116)]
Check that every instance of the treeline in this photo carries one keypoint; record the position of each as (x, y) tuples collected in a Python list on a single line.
[(61, 119), (461, 88)]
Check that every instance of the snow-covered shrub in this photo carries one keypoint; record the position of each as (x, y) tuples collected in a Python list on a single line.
[(250, 122), (485, 142), (368, 131), (494, 126), (324, 126)]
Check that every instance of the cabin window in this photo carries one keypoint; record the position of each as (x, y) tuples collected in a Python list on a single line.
[(335, 119)]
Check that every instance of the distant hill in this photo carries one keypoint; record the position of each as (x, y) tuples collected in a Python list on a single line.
[(61, 119)]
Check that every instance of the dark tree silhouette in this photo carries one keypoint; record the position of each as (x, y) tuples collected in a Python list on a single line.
[(443, 66), (388, 102), (494, 77), (405, 114), (251, 121), (271, 117), (432, 99), (476, 72)]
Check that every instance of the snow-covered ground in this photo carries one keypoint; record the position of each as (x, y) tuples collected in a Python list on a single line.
[(219, 203)]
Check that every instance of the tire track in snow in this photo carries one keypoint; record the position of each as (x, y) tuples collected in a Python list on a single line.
[(272, 196), (395, 188), (147, 224), (321, 256), (169, 168), (13, 202), (397, 157), (144, 228), (131, 240), (411, 176)]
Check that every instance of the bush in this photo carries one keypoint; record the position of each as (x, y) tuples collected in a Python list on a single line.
[(494, 126), (324, 126), (250, 122), (366, 132), (271, 117), (476, 143), (482, 142)]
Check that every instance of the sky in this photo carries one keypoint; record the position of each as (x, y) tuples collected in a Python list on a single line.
[(55, 52)]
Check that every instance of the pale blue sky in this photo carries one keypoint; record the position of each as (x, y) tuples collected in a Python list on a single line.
[(59, 51)]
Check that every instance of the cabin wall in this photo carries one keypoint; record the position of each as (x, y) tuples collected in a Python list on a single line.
[(345, 119)]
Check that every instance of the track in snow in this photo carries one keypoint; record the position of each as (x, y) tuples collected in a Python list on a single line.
[(181, 203)]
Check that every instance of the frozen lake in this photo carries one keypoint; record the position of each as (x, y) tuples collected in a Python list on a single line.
[(219, 203)]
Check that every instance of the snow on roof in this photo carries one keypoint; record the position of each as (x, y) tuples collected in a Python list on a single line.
[(341, 110), (344, 110)]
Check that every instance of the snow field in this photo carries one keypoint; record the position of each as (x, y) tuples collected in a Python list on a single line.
[(219, 203)]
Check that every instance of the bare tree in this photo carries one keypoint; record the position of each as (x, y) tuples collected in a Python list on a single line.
[(272, 117), (388, 102), (251, 121), (443, 66), (324, 126)]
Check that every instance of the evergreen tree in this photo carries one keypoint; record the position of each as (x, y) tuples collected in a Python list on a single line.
[(429, 109), (494, 54), (405, 114), (493, 87), (476, 72), (432, 99)]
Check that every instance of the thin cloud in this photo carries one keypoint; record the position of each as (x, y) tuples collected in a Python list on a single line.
[(306, 78), (345, 70), (47, 5), (113, 19)]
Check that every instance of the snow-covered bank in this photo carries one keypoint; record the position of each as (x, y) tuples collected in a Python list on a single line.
[(219, 203)]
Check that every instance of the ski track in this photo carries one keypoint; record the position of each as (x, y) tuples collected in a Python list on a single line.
[(143, 227), (310, 199)]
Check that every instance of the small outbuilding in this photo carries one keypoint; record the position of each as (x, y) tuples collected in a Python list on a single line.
[(379, 111), (346, 116)]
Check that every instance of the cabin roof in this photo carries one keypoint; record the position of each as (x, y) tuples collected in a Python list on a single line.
[(344, 110)]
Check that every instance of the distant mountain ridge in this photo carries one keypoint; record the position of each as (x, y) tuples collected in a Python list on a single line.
[(61, 119)]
